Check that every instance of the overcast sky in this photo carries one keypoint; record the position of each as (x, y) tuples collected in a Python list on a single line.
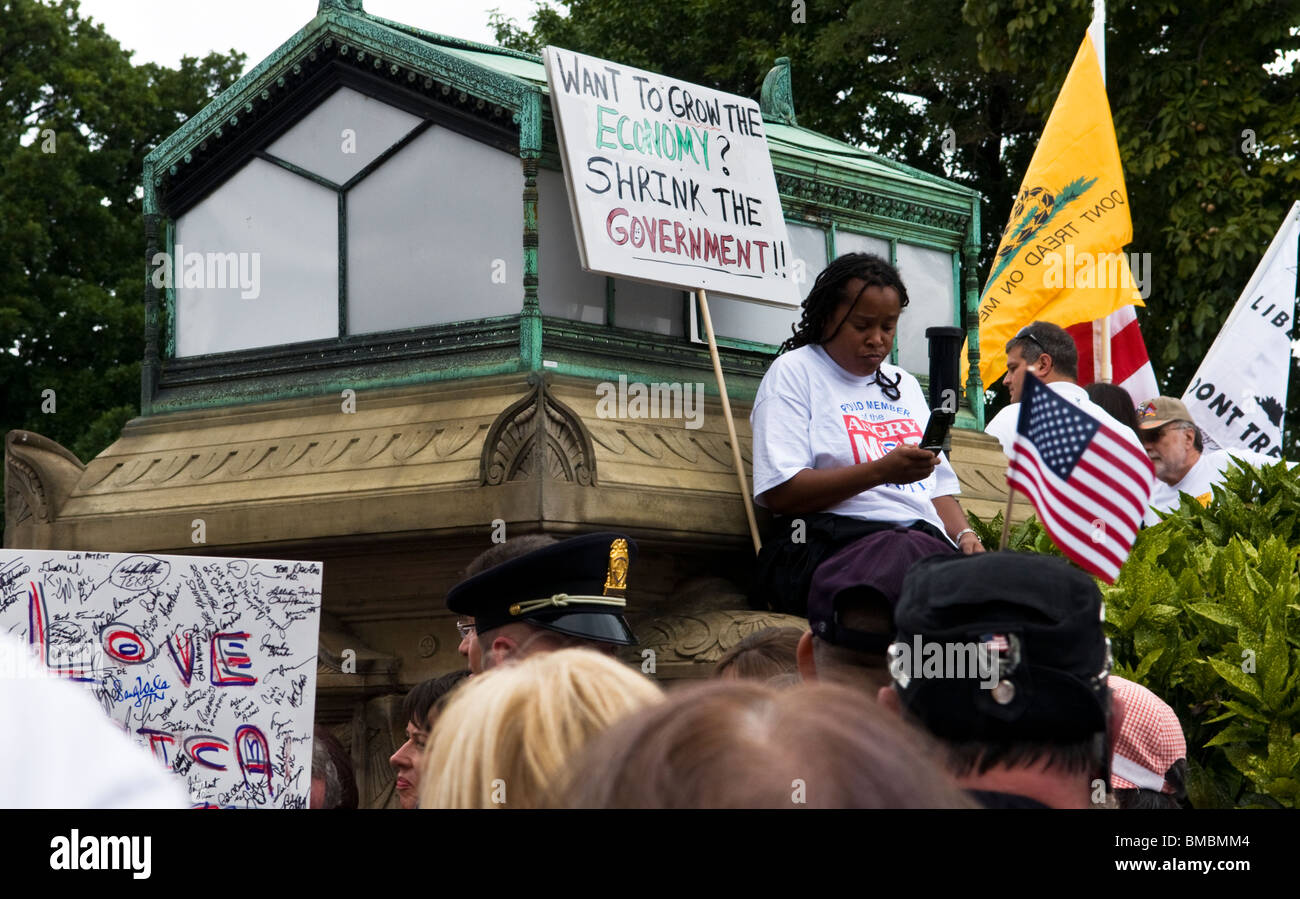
[(163, 31)]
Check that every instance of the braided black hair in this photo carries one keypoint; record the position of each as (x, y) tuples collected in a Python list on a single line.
[(828, 292)]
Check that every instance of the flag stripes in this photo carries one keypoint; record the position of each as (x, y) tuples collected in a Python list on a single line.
[(1130, 365), (1089, 486)]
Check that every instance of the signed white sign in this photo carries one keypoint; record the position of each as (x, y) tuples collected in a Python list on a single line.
[(209, 662)]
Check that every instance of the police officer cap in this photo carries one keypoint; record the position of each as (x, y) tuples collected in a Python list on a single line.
[(574, 587), (1037, 622)]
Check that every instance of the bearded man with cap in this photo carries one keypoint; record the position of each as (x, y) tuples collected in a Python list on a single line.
[(1028, 729), (567, 593), (1174, 445)]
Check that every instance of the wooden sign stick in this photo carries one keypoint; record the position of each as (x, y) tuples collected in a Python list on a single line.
[(731, 425)]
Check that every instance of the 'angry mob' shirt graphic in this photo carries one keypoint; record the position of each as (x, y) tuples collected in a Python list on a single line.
[(875, 428)]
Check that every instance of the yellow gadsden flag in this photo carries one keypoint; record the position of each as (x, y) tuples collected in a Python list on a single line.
[(1059, 259)]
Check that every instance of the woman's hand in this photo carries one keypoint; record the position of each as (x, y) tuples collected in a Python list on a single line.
[(818, 489), (956, 526), (905, 464)]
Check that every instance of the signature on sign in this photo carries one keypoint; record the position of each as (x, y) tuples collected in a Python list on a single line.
[(142, 690)]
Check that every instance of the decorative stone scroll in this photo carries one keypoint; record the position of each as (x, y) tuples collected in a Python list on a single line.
[(538, 435)]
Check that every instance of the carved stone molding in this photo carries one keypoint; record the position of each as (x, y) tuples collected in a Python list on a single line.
[(538, 436), (290, 455), (39, 475), (827, 194), (704, 637), (652, 442)]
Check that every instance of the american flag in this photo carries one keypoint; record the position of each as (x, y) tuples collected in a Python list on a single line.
[(1089, 485)]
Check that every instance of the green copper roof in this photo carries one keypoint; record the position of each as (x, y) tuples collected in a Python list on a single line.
[(513, 63), (506, 77), (530, 70), (818, 148)]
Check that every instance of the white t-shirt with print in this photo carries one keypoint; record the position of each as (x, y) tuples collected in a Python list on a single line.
[(1208, 471), (810, 413)]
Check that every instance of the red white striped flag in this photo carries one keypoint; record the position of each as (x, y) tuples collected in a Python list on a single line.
[(1089, 485), (1129, 363)]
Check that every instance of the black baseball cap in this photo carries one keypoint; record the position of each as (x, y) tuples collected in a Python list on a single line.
[(1039, 617), (574, 587)]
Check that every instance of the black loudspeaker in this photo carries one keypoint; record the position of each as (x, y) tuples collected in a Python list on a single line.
[(945, 366)]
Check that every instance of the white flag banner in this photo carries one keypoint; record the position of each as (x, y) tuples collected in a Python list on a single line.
[(1239, 393)]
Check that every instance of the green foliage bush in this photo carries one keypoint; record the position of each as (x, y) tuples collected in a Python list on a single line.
[(1206, 614)]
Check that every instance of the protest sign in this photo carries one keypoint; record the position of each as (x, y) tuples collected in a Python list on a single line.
[(669, 182), (1238, 394), (208, 662)]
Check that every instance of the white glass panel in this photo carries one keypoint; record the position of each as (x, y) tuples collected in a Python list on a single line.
[(277, 235), (850, 242), (927, 275), (747, 320), (563, 288), (809, 249), (734, 317), (343, 135), (435, 235), (646, 307)]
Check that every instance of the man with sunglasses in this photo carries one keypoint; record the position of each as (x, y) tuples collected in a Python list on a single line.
[(1049, 352), (1174, 445)]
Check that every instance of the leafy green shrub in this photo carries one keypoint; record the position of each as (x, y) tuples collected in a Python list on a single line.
[(1027, 537), (1206, 614)]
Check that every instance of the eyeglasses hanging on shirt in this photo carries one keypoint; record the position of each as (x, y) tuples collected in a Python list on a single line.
[(889, 388)]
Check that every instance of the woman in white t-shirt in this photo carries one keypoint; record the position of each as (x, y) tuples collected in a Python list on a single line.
[(836, 428)]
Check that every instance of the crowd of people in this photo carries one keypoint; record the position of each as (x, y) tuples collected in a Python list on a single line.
[(871, 707), (932, 673)]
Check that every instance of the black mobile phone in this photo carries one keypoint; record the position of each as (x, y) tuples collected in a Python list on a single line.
[(936, 431)]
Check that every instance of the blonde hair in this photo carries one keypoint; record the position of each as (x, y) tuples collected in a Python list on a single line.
[(506, 735)]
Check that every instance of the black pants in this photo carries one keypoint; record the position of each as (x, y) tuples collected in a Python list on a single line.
[(785, 568)]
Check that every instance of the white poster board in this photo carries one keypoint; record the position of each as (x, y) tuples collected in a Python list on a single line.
[(208, 662), (669, 182)]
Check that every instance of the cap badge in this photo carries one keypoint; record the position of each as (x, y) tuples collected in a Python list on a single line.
[(616, 573), (1004, 692)]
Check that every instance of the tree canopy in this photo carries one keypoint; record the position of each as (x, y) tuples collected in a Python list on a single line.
[(1205, 98), (76, 121)]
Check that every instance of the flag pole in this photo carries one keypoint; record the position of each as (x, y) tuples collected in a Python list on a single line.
[(1106, 370), (1006, 517), (1011, 496), (731, 425), (1097, 30)]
